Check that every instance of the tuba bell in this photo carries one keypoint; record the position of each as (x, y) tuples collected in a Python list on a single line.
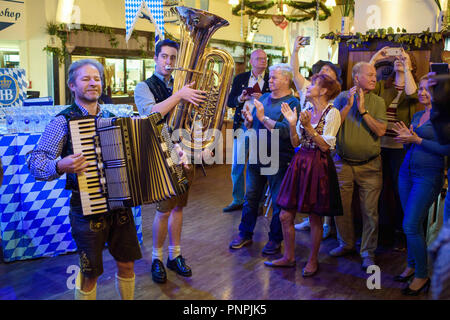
[(211, 69)]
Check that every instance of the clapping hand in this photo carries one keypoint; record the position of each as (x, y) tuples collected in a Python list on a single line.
[(305, 119), (289, 114), (401, 129), (259, 110), (360, 100), (351, 96), (405, 135), (247, 115)]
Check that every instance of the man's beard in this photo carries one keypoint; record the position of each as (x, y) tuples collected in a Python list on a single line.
[(87, 98)]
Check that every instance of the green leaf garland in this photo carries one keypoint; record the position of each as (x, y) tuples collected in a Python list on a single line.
[(407, 39), (308, 8)]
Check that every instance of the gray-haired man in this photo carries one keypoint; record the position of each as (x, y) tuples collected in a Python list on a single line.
[(358, 161)]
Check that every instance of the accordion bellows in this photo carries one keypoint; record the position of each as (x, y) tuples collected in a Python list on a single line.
[(132, 162)]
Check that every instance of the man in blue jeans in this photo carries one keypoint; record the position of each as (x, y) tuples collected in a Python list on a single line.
[(240, 97), (270, 129)]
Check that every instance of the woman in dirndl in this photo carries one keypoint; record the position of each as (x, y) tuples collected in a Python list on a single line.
[(310, 185)]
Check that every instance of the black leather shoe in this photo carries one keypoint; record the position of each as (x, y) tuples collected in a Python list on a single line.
[(399, 278), (179, 266), (159, 274), (233, 207), (407, 291)]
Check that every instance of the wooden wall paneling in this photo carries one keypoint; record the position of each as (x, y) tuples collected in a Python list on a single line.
[(348, 56)]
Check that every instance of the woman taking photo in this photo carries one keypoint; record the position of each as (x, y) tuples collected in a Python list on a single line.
[(310, 185), (420, 181), (399, 91)]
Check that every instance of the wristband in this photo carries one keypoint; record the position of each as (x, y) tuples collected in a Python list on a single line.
[(364, 113)]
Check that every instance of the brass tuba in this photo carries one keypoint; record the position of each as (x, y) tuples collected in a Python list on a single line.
[(197, 63)]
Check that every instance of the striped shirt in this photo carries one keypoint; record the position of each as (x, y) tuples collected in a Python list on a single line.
[(387, 141)]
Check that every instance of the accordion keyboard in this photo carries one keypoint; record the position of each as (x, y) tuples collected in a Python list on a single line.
[(91, 183), (131, 162)]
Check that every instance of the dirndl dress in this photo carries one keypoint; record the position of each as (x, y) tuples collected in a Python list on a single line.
[(310, 185)]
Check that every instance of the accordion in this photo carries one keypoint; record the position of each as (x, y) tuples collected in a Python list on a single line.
[(131, 162)]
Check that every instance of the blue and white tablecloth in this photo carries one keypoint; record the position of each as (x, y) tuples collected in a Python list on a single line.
[(34, 220)]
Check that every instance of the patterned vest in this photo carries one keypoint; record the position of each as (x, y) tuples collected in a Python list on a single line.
[(307, 141), (158, 88)]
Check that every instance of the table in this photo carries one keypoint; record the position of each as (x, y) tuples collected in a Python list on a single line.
[(34, 220)]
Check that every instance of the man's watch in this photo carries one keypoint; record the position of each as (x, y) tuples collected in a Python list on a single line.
[(364, 113), (266, 118)]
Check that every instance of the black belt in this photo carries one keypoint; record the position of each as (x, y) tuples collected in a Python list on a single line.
[(358, 163)]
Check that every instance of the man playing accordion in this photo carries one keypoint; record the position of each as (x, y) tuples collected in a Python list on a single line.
[(90, 232)]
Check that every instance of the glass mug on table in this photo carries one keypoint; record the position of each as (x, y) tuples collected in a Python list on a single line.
[(11, 120)]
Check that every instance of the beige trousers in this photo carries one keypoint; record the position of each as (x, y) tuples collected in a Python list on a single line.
[(369, 178)]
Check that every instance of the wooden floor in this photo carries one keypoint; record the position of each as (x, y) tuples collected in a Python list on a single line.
[(218, 272)]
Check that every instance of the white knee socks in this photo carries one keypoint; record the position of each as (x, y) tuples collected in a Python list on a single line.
[(174, 251), (80, 294), (157, 253), (125, 287)]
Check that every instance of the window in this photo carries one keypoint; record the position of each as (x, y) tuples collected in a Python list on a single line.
[(149, 67), (122, 74), (9, 59), (115, 76), (135, 74)]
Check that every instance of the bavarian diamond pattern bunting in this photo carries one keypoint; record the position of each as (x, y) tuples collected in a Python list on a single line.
[(153, 9)]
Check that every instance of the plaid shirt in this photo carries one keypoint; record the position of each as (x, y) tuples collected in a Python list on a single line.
[(43, 159)]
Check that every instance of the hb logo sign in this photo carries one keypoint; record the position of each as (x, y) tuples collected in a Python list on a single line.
[(13, 86), (9, 90)]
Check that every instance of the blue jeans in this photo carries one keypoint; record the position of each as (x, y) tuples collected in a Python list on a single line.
[(255, 188), (240, 155), (418, 190)]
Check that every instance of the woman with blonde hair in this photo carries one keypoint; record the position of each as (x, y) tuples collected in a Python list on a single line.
[(420, 180)]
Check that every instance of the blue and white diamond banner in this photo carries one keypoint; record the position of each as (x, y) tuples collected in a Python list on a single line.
[(149, 9), (13, 86), (34, 215)]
